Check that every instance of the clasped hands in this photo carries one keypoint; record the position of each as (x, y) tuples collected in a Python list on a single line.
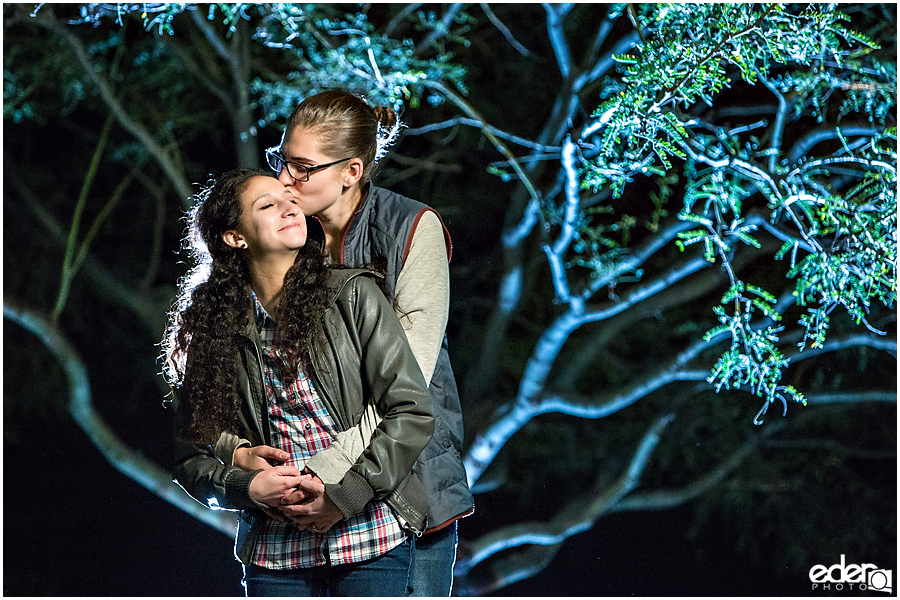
[(290, 494)]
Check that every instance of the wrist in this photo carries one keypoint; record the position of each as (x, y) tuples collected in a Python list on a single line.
[(237, 488), (240, 453)]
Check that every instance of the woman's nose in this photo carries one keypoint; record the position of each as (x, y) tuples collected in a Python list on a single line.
[(285, 178)]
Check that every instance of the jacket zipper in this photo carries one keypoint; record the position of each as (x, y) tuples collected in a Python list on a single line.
[(263, 408)]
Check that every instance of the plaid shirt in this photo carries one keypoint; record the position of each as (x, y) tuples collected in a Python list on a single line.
[(301, 426)]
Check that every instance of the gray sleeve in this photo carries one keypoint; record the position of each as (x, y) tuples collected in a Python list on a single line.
[(423, 292), (332, 463), (227, 444)]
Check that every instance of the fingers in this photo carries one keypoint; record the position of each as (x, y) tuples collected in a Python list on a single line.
[(295, 496), (298, 512), (324, 527), (268, 452), (312, 485), (317, 525), (288, 471)]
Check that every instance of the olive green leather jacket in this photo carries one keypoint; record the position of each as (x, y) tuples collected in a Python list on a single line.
[(362, 361)]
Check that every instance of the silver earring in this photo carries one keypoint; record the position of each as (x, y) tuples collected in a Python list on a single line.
[(243, 245)]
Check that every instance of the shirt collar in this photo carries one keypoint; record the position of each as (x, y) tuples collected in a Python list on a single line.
[(260, 313)]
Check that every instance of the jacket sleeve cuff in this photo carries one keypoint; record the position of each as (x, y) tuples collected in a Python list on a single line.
[(226, 445), (237, 488), (330, 464), (351, 494)]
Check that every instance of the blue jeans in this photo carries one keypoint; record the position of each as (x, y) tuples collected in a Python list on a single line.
[(435, 557), (386, 575)]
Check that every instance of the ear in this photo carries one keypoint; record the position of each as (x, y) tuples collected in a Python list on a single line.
[(234, 239), (353, 172)]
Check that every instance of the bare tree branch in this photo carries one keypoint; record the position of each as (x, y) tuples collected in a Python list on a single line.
[(147, 308), (237, 57), (482, 125), (175, 174), (578, 516), (663, 499), (126, 460), (491, 439), (69, 268), (401, 16), (518, 228), (819, 135), (777, 130), (556, 14), (504, 30)]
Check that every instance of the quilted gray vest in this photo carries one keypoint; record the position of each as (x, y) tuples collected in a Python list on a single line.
[(380, 234)]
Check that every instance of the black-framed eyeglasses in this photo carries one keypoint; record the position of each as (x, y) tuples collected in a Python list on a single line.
[(298, 172)]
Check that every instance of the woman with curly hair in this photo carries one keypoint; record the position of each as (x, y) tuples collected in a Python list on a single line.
[(268, 343)]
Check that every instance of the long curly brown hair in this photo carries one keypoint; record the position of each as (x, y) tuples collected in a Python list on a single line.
[(214, 304)]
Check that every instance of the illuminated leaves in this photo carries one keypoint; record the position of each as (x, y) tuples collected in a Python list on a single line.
[(835, 214)]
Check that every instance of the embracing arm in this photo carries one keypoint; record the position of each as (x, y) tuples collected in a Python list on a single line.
[(217, 485), (399, 394)]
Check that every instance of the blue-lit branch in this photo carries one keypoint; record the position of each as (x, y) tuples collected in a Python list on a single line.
[(557, 250), (489, 442), (504, 30), (624, 496), (552, 150), (157, 152), (578, 517), (662, 499), (126, 460), (564, 112)]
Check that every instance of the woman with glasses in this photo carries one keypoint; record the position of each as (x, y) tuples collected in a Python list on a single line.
[(328, 155), (270, 344)]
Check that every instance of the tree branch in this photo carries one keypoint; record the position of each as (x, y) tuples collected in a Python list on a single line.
[(777, 130), (441, 30), (401, 16), (69, 269), (512, 279), (816, 136), (577, 517), (238, 60), (556, 14), (556, 252), (483, 126), (487, 444), (126, 460), (663, 499), (142, 305), (620, 497), (504, 30), (181, 185)]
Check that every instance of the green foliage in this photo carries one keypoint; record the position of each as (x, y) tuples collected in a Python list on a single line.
[(321, 47), (686, 60), (834, 213), (331, 50)]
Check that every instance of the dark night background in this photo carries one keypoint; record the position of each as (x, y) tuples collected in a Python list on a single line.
[(75, 526), (103, 534)]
